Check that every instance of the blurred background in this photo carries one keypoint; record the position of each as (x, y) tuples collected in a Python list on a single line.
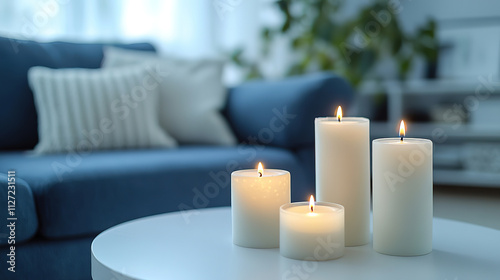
[(435, 64)]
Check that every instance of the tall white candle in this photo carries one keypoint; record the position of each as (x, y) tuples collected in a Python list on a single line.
[(255, 205), (307, 234), (402, 196), (343, 172)]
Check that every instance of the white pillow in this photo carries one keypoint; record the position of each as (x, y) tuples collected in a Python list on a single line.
[(86, 109), (191, 98)]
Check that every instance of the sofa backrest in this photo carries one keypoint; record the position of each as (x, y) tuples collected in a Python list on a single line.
[(281, 112), (18, 118)]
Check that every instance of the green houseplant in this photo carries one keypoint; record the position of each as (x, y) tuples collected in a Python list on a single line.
[(321, 41)]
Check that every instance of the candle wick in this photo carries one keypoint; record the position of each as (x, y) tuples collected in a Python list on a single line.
[(260, 174), (401, 138), (312, 208), (338, 118)]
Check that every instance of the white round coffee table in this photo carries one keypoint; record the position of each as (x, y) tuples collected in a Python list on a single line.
[(167, 247)]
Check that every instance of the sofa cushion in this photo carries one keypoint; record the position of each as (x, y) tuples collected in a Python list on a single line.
[(92, 109), (18, 118), (77, 195), (26, 223), (191, 95)]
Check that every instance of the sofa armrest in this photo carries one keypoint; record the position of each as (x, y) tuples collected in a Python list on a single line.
[(25, 224), (281, 113)]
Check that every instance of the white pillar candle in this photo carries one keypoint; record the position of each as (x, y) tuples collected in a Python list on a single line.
[(307, 234), (255, 205), (343, 171), (402, 196)]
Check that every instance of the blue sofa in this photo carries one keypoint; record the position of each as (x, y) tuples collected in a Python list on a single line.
[(64, 200)]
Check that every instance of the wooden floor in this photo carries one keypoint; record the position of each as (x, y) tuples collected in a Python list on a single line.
[(474, 205)]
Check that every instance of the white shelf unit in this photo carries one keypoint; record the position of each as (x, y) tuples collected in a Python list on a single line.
[(466, 178), (398, 95), (466, 132)]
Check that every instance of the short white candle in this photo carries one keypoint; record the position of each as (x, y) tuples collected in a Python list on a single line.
[(402, 196), (312, 235), (255, 205), (343, 171)]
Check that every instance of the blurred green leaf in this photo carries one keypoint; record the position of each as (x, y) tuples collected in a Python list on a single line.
[(236, 57), (286, 25), (405, 65), (254, 73)]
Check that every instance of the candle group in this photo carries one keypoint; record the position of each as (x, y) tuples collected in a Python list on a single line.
[(263, 216)]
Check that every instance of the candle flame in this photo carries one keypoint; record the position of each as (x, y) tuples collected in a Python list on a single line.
[(402, 130), (311, 203), (260, 169), (339, 113)]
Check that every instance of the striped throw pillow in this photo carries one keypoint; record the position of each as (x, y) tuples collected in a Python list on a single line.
[(83, 110)]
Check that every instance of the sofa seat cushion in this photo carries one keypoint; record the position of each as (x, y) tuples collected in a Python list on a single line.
[(85, 194)]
